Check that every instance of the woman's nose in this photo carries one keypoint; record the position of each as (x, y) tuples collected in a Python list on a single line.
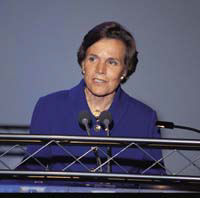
[(101, 68)]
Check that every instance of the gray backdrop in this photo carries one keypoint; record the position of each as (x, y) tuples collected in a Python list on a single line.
[(39, 41)]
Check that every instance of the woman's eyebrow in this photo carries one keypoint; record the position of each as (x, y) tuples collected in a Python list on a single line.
[(92, 55)]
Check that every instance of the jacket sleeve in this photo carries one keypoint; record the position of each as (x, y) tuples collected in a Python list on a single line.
[(40, 124), (153, 155)]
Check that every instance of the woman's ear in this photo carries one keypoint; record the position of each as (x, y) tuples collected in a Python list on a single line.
[(83, 67), (124, 73), (123, 76)]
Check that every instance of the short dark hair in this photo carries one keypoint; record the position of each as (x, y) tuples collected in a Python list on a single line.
[(112, 30)]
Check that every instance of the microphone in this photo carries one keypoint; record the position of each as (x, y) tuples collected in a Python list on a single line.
[(171, 125), (105, 119), (85, 121)]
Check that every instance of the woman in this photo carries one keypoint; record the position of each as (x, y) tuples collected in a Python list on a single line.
[(107, 57)]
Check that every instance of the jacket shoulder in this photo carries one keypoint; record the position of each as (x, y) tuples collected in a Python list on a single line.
[(137, 104), (58, 95), (61, 95)]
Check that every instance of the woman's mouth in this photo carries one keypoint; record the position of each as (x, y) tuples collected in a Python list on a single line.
[(97, 80)]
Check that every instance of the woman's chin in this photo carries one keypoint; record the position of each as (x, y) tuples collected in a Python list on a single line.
[(101, 93)]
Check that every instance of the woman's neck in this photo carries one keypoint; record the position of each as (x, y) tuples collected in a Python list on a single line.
[(97, 104)]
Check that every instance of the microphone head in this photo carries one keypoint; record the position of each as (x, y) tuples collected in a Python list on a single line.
[(84, 119), (106, 120)]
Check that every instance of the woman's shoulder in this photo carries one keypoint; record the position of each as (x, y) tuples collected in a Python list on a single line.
[(136, 104), (54, 96), (61, 95)]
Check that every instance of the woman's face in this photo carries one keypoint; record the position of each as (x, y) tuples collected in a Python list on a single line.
[(104, 66)]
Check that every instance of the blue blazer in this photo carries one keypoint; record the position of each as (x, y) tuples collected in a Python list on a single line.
[(57, 114)]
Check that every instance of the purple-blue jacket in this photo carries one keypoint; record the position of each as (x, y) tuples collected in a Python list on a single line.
[(57, 114)]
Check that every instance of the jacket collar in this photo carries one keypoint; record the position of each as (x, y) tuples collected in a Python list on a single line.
[(117, 109)]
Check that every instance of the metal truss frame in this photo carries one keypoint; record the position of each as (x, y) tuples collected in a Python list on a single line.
[(94, 142)]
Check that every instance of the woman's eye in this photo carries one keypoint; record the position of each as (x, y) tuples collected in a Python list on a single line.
[(91, 59), (113, 62)]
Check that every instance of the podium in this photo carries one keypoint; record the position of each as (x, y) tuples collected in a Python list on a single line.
[(14, 180)]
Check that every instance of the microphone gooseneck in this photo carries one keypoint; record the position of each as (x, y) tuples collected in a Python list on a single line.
[(106, 120)]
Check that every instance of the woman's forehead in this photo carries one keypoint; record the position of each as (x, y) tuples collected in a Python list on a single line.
[(107, 47)]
